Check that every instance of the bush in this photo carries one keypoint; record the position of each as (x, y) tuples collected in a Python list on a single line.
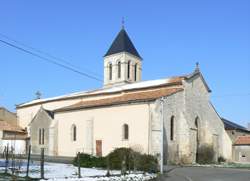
[(205, 154), (120, 159), (119, 155), (89, 161), (133, 160), (148, 163)]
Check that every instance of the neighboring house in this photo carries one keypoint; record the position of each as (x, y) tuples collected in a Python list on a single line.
[(240, 137), (234, 130), (9, 117), (241, 149), (128, 112), (11, 134)]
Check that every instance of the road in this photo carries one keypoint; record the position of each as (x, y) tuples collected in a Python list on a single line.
[(206, 174)]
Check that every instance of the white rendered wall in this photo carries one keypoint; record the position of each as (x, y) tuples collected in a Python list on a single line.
[(107, 126)]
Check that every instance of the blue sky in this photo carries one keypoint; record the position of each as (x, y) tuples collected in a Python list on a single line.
[(170, 36)]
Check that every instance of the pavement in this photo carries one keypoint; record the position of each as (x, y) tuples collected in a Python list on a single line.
[(205, 174)]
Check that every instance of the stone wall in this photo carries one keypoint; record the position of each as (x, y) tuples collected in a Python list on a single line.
[(197, 125)]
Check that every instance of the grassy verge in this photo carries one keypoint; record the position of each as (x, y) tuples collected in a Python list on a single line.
[(236, 165)]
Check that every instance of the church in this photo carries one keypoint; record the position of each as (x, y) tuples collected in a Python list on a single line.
[(173, 115)]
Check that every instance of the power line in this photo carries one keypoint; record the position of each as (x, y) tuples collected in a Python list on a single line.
[(50, 61), (48, 55), (231, 95)]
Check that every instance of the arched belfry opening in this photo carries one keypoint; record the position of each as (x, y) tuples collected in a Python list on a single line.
[(123, 55)]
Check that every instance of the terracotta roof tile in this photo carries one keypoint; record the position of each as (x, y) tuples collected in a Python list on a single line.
[(8, 127), (143, 85), (242, 140), (124, 97)]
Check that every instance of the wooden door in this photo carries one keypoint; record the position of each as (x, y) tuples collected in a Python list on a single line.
[(98, 147)]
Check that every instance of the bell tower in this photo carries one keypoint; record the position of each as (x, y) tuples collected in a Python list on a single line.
[(122, 62)]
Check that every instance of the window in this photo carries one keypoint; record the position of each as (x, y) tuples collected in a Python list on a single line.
[(196, 122), (41, 136), (129, 69), (135, 72), (125, 131), (110, 71), (172, 128), (119, 69), (73, 132)]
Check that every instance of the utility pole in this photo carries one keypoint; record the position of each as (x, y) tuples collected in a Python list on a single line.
[(162, 100)]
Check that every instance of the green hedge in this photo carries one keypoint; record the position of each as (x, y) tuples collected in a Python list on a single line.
[(120, 159)]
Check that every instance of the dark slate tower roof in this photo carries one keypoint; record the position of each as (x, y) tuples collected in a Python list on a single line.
[(122, 43)]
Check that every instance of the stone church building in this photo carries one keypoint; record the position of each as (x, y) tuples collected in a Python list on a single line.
[(128, 112)]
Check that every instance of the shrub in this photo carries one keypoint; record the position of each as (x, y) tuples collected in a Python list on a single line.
[(205, 154), (118, 155), (89, 161), (148, 163), (120, 159)]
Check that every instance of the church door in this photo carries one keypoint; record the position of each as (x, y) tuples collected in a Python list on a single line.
[(98, 147)]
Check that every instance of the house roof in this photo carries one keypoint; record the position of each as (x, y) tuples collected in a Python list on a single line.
[(122, 43), (124, 97), (242, 140), (229, 125), (4, 126)]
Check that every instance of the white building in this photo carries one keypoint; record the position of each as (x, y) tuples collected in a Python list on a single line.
[(127, 112), (11, 135)]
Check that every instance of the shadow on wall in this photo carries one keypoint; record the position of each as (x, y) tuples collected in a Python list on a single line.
[(206, 155)]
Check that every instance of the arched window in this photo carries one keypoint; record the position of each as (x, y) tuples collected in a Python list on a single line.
[(135, 72), (110, 71), (172, 128), (196, 122), (125, 130), (73, 132), (119, 69), (129, 62), (41, 136)]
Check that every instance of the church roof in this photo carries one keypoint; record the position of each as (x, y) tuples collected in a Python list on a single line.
[(122, 43), (111, 90), (125, 98)]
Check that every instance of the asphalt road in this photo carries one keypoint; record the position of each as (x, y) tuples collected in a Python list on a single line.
[(206, 174)]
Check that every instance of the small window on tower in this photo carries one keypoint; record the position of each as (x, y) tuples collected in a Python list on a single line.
[(135, 72), (129, 69), (119, 69), (110, 71)]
